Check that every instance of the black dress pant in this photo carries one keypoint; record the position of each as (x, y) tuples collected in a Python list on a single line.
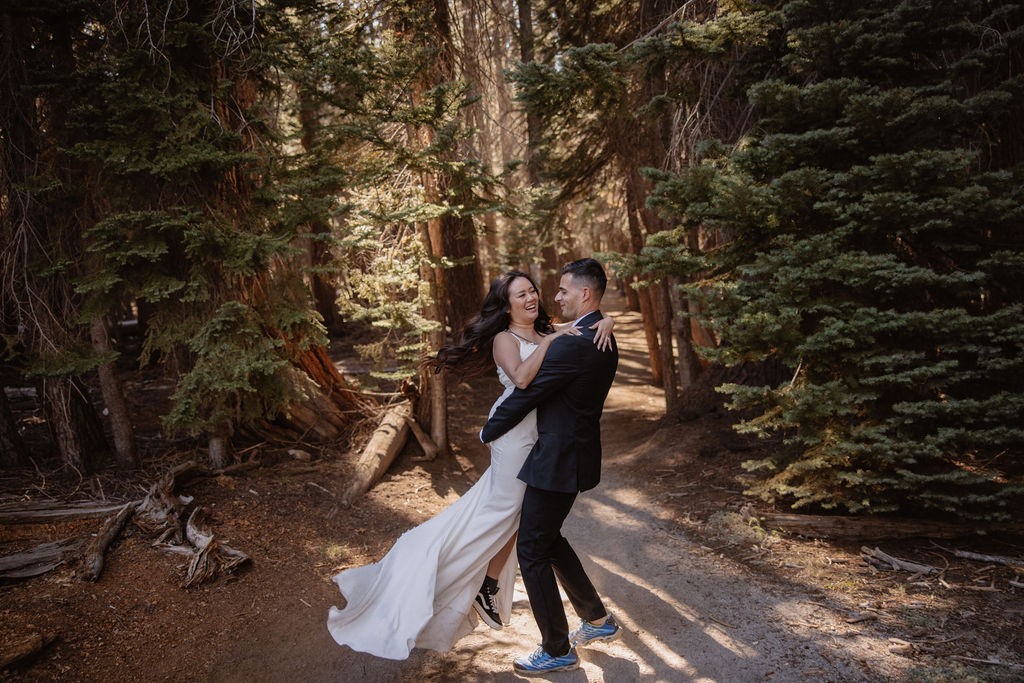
[(544, 554)]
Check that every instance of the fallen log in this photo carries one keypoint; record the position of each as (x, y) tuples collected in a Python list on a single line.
[(38, 560), (861, 528), (47, 512), (159, 513), (24, 648), (384, 445), (92, 565)]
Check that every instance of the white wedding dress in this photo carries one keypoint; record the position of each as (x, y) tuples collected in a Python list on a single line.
[(421, 593)]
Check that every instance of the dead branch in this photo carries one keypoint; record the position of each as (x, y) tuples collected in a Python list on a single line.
[(1016, 564), (992, 661), (161, 509), (883, 561), (159, 513), (38, 560), (239, 467), (384, 445), (858, 618), (24, 647), (210, 556), (93, 563)]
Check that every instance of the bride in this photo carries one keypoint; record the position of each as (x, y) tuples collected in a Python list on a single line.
[(429, 588)]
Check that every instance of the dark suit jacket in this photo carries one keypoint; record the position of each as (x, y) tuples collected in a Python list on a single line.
[(568, 393)]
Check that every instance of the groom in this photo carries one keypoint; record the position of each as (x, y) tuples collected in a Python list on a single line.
[(568, 393)]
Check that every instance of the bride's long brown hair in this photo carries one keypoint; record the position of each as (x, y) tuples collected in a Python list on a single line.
[(472, 354)]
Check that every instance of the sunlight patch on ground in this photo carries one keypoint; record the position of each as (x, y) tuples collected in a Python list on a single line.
[(711, 630), (623, 497)]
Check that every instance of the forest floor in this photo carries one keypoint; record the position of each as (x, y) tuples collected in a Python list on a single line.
[(702, 596)]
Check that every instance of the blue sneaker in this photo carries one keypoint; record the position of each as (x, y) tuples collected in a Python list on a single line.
[(587, 633), (540, 662)]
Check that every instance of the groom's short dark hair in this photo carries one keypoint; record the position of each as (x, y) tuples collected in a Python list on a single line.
[(590, 271)]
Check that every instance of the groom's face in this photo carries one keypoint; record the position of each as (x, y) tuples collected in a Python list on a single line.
[(570, 297)]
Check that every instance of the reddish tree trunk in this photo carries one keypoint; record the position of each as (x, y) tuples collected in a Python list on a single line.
[(113, 397), (647, 311), (668, 367), (690, 366)]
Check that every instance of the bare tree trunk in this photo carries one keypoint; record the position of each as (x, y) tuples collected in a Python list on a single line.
[(113, 398), (647, 311), (73, 423), (434, 398), (668, 367), (689, 364), (632, 297), (12, 448), (549, 262), (220, 447), (463, 284), (476, 54)]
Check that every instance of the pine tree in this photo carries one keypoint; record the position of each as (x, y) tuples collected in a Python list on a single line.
[(875, 220), (172, 167), (46, 207)]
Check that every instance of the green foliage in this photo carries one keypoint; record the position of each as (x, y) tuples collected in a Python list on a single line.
[(241, 373), (191, 154), (873, 222), (387, 123), (165, 171)]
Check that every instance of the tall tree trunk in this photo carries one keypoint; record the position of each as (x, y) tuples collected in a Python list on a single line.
[(647, 310), (12, 448), (463, 283), (324, 290), (549, 263), (690, 366), (73, 423), (434, 389), (632, 296), (475, 53), (113, 398), (668, 366)]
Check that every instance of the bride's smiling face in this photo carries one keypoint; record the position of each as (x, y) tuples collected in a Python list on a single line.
[(523, 301)]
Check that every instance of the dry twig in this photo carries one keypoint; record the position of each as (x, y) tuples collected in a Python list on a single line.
[(885, 561)]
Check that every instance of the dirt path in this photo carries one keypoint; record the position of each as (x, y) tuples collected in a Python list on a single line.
[(688, 614)]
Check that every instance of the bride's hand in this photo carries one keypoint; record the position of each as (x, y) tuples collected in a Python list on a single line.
[(567, 329), (603, 338)]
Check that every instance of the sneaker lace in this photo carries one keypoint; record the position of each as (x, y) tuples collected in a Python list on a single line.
[(488, 597)]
